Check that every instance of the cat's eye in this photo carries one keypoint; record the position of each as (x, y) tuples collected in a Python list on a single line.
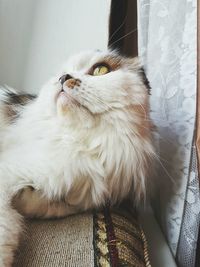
[(100, 70)]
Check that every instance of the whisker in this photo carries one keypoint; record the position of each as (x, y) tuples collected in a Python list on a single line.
[(140, 104), (99, 100), (117, 29), (123, 37), (160, 137), (165, 170)]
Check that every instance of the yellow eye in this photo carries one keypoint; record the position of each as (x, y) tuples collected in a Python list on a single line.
[(100, 70)]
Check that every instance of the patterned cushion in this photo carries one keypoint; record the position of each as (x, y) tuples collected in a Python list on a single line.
[(119, 240), (100, 239)]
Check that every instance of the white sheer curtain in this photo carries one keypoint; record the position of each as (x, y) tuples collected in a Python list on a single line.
[(167, 46)]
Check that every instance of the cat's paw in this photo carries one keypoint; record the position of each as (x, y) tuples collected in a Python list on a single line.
[(30, 202), (6, 256), (10, 229)]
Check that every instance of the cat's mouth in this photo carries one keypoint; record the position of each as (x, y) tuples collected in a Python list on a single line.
[(67, 100)]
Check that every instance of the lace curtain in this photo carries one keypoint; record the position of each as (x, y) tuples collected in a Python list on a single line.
[(167, 47)]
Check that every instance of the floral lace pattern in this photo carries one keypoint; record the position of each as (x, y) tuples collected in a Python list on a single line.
[(167, 40)]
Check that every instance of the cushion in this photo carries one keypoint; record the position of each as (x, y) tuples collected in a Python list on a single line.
[(105, 238)]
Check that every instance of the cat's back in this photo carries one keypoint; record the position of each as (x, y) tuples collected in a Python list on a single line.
[(11, 104)]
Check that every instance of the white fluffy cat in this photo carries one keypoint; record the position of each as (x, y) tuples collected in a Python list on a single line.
[(84, 140)]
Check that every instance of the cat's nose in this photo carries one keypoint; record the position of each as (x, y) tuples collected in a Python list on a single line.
[(64, 78), (70, 81)]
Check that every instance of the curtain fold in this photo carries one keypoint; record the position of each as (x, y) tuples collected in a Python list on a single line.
[(198, 120), (198, 86)]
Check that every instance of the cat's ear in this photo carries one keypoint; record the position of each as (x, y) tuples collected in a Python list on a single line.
[(133, 63), (145, 79)]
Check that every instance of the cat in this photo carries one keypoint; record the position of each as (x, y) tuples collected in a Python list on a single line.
[(83, 141)]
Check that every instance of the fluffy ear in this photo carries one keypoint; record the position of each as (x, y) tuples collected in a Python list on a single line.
[(134, 64), (145, 80)]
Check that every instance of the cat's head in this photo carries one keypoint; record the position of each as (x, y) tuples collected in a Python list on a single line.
[(96, 83), (106, 92)]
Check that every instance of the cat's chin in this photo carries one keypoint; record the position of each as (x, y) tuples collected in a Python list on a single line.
[(65, 99), (66, 103)]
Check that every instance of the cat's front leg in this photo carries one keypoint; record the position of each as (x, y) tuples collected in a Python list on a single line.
[(32, 203), (10, 228)]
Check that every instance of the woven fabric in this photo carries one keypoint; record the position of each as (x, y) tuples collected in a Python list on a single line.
[(119, 240), (53, 243), (100, 239)]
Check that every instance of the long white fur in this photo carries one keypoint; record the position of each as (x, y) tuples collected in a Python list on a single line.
[(75, 158)]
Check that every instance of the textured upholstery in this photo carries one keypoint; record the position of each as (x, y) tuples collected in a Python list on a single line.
[(52, 243), (105, 238)]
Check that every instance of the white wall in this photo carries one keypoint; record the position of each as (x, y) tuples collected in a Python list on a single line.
[(37, 36)]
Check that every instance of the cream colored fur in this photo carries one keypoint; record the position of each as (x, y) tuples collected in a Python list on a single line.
[(71, 153)]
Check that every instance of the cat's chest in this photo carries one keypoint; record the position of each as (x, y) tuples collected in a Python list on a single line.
[(52, 150), (57, 156)]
